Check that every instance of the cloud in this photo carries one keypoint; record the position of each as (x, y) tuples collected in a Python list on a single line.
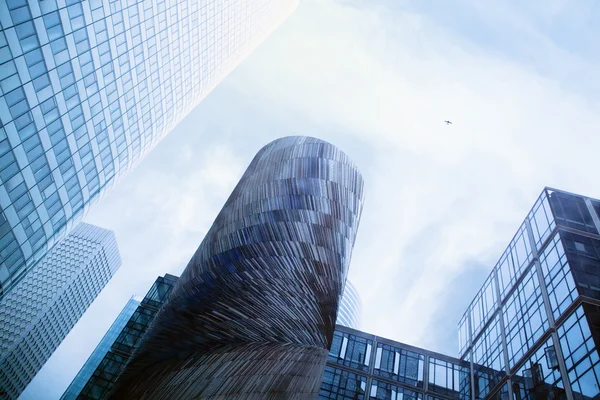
[(437, 196)]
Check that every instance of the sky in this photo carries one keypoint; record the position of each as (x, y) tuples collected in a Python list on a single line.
[(378, 79)]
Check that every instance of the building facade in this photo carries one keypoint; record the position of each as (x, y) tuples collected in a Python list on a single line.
[(43, 307), (350, 310), (361, 366), (89, 87), (98, 376), (265, 284), (532, 331), (100, 351)]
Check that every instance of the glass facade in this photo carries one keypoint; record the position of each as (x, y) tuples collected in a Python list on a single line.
[(532, 330), (97, 377), (364, 366), (103, 347), (350, 309), (43, 307), (89, 87)]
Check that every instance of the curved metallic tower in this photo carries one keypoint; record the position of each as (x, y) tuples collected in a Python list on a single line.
[(253, 314)]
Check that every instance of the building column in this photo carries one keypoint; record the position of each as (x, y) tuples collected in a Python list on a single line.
[(557, 347)]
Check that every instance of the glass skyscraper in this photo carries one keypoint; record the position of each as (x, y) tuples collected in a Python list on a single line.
[(97, 377), (89, 87), (103, 347), (533, 330), (43, 307), (350, 310)]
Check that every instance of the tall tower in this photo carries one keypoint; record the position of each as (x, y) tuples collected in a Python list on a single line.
[(100, 351), (87, 88), (350, 310), (253, 314), (38, 314)]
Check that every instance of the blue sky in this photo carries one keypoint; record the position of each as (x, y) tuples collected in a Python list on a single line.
[(378, 78)]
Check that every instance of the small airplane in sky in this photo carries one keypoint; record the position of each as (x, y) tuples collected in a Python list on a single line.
[(448, 122)]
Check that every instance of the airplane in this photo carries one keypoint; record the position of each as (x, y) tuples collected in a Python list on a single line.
[(448, 122)]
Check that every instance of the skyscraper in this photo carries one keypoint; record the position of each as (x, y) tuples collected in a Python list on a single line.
[(100, 351), (89, 87), (350, 310), (43, 307), (253, 314), (97, 377)]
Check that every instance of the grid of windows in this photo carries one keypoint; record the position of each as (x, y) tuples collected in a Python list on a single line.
[(525, 317), (488, 356), (581, 354), (399, 364), (123, 342), (539, 376), (351, 350), (561, 233), (571, 211), (448, 378), (386, 391), (98, 355), (88, 88), (339, 384), (39, 313), (557, 276)]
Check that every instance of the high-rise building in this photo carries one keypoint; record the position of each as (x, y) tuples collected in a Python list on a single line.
[(89, 87), (43, 307), (350, 310), (103, 347), (253, 314), (533, 330), (97, 377)]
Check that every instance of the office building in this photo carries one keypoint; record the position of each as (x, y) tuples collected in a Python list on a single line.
[(97, 377), (350, 310), (100, 351), (87, 88), (362, 366), (265, 284), (43, 307), (532, 331)]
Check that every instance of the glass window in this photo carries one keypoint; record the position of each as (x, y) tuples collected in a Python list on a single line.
[(351, 350), (342, 385), (399, 364), (580, 353), (557, 275), (539, 377), (541, 220), (488, 358), (525, 317), (386, 391), (449, 379), (571, 211)]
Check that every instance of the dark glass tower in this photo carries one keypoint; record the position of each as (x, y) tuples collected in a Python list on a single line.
[(101, 350), (532, 331), (88, 88), (97, 377), (253, 314)]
